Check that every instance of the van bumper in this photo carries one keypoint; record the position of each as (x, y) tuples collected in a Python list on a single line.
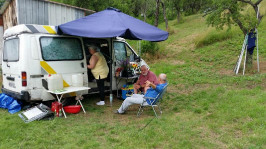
[(23, 95)]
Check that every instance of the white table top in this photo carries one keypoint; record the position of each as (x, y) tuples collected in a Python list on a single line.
[(70, 89)]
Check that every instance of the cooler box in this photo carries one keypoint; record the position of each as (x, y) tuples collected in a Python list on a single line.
[(127, 91)]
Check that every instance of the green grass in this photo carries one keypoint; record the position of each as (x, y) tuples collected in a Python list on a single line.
[(206, 105), (213, 36)]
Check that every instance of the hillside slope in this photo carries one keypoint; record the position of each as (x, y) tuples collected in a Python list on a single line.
[(206, 105)]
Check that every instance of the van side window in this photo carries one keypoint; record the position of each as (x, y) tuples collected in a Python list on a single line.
[(11, 50), (130, 54), (120, 51), (61, 48)]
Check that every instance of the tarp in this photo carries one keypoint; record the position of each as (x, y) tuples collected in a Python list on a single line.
[(9, 103), (112, 23)]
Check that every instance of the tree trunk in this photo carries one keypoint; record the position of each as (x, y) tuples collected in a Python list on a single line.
[(178, 16), (144, 15), (157, 13), (164, 16), (249, 61), (144, 11)]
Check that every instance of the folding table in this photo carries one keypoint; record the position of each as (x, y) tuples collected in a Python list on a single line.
[(60, 93)]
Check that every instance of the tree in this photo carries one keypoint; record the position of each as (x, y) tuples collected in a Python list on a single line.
[(164, 15), (147, 8), (157, 13), (178, 5), (230, 12)]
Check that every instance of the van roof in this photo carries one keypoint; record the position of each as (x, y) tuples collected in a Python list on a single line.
[(30, 28)]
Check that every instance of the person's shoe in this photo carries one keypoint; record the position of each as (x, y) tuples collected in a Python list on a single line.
[(100, 103), (116, 112)]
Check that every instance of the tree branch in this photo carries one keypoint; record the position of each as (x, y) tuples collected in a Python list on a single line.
[(246, 1), (258, 2)]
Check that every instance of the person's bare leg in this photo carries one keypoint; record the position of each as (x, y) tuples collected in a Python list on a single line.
[(145, 89)]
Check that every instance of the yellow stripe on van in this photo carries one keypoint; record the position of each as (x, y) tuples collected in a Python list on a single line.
[(50, 70), (49, 29), (47, 67)]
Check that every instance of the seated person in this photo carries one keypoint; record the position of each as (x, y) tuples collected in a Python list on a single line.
[(146, 75), (153, 91)]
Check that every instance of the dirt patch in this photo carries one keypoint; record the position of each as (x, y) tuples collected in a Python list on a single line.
[(226, 72), (262, 66), (206, 133)]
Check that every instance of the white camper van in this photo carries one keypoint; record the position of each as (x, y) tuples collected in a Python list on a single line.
[(33, 52)]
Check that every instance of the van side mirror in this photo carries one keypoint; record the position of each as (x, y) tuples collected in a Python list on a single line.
[(137, 58)]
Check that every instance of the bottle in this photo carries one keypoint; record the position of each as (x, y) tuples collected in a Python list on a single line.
[(55, 112), (60, 112), (111, 99)]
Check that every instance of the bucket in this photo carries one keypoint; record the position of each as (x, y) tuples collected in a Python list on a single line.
[(77, 80), (55, 82), (127, 91)]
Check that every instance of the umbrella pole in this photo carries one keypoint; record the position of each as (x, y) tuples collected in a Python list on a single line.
[(111, 73)]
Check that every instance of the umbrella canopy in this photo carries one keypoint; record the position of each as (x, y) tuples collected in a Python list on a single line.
[(112, 23)]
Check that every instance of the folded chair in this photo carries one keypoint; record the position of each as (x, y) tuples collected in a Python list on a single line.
[(155, 102)]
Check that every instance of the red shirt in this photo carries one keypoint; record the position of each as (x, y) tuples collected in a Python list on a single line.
[(150, 76)]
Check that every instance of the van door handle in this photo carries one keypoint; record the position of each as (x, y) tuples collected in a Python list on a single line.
[(10, 78), (7, 65), (82, 64)]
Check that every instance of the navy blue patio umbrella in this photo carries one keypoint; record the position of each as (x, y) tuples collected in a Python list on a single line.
[(111, 23)]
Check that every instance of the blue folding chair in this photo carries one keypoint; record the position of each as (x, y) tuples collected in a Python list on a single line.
[(155, 102)]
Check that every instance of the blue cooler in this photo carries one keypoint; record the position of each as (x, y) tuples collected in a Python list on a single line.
[(127, 91)]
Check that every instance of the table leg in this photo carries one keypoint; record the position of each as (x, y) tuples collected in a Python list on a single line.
[(82, 106), (59, 100)]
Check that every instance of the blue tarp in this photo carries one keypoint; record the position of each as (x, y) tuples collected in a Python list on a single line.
[(9, 103), (112, 23)]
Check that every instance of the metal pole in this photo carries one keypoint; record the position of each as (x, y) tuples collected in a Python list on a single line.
[(139, 47), (258, 62), (111, 72), (246, 50)]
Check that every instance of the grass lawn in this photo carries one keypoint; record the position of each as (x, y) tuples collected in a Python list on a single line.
[(206, 105)]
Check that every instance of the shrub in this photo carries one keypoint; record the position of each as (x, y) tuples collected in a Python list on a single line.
[(171, 31), (212, 36), (149, 47)]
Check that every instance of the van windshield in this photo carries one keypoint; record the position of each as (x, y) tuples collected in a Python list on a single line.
[(11, 50), (61, 48)]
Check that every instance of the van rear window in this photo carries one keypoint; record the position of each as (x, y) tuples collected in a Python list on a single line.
[(11, 50), (61, 48)]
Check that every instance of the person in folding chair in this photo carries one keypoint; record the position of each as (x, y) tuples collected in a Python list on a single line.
[(152, 92), (146, 75)]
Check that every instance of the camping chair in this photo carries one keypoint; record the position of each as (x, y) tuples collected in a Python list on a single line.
[(155, 103)]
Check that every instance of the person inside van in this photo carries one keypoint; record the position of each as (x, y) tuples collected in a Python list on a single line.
[(99, 69), (146, 75)]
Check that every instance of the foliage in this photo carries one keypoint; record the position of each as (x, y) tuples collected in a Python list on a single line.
[(149, 47), (143, 9), (124, 64), (1, 3), (231, 12)]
